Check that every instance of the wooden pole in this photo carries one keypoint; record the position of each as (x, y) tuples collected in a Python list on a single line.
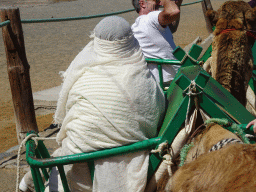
[(18, 71), (206, 5)]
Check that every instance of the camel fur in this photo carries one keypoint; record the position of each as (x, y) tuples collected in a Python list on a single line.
[(231, 168), (231, 63)]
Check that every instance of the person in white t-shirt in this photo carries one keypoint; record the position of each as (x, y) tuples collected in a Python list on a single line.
[(153, 29)]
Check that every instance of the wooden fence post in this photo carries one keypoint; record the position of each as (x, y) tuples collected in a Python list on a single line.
[(18, 71), (206, 5)]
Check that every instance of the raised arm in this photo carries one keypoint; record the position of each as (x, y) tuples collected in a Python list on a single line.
[(174, 25), (171, 14)]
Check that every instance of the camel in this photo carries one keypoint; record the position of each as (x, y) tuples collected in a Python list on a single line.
[(231, 63), (217, 161)]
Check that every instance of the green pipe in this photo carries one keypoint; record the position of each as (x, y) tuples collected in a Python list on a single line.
[(71, 159), (79, 18), (163, 61), (247, 131), (73, 18), (161, 76), (192, 3), (5, 23), (36, 179), (63, 178)]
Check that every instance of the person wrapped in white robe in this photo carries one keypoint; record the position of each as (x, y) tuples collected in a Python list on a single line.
[(108, 99)]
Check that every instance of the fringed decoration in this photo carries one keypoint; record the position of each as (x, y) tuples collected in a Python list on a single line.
[(184, 153)]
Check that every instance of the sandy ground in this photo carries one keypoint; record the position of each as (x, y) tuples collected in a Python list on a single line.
[(50, 48)]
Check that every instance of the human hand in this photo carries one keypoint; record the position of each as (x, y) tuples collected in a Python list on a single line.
[(250, 124)]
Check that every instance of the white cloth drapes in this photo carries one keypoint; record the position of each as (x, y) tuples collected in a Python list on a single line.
[(108, 99)]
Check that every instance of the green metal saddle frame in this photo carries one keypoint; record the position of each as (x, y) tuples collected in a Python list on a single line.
[(216, 101)]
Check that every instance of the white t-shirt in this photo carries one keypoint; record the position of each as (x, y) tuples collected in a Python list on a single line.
[(155, 42)]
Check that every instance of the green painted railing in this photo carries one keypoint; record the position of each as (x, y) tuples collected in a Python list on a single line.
[(163, 61), (184, 4), (70, 159), (82, 17), (4, 23), (74, 18)]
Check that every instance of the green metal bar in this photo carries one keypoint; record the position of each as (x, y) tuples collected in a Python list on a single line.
[(163, 61), (40, 179), (35, 179), (207, 54), (169, 132), (254, 53), (179, 53), (195, 51), (202, 79), (252, 83), (182, 81), (91, 168), (38, 155), (192, 3), (71, 159), (86, 17), (211, 108), (43, 154), (43, 150), (63, 178), (154, 162), (176, 122), (5, 23), (217, 93), (74, 18), (160, 76), (247, 131)]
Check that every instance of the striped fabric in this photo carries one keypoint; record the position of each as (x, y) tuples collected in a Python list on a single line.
[(224, 142)]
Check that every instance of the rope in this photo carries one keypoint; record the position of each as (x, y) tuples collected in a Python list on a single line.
[(250, 136), (223, 143), (167, 158), (35, 138), (224, 122), (185, 56), (168, 161), (240, 133), (191, 92), (161, 148)]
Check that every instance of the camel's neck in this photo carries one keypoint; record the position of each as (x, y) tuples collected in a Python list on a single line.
[(232, 62), (204, 142)]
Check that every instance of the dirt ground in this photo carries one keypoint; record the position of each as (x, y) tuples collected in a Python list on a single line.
[(50, 47)]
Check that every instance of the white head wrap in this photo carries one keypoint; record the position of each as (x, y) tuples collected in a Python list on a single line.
[(113, 28), (112, 40)]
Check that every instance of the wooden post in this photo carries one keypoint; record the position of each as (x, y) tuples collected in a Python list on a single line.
[(206, 5), (18, 71)]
